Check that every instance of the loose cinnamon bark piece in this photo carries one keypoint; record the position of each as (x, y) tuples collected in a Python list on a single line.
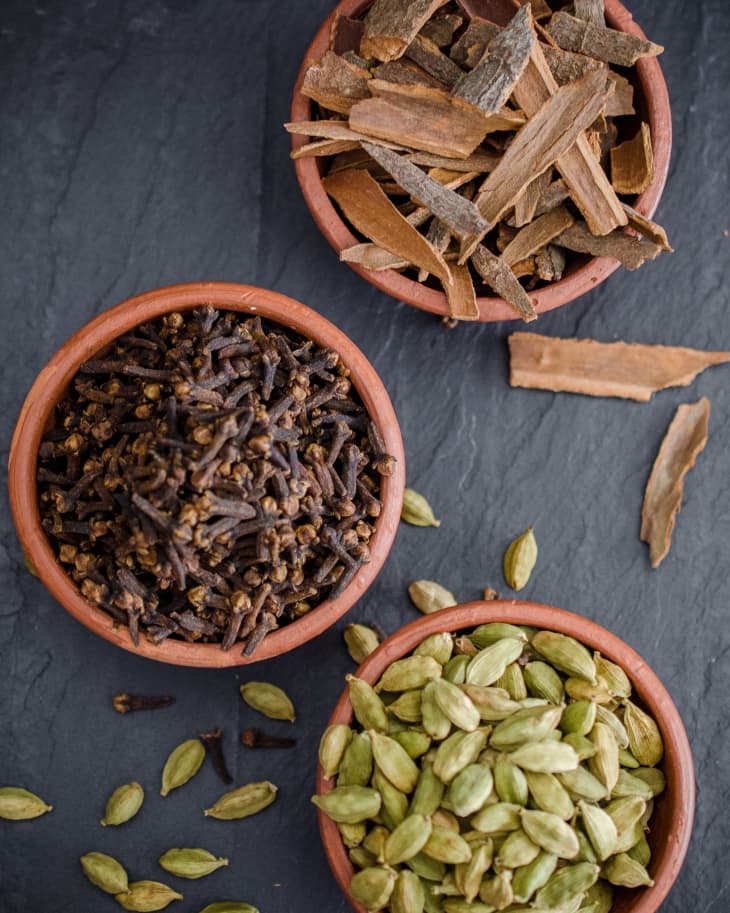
[(470, 47), (540, 143), (391, 25), (610, 45), (622, 100), (441, 28), (370, 256), (590, 11), (438, 234), (500, 278), (589, 186), (629, 251), (345, 34), (324, 147), (527, 204), (406, 73), (617, 369), (461, 215), (632, 163), (430, 58), (480, 162), (335, 84), (421, 118), (371, 212), (648, 229), (536, 235), (334, 129), (684, 441), (461, 296), (552, 196), (567, 67), (490, 83)]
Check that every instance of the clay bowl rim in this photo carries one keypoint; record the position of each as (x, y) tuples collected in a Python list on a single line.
[(578, 281), (677, 765), (93, 337)]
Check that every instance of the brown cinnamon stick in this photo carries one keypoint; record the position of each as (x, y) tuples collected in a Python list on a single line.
[(430, 58), (370, 256), (391, 25), (335, 84), (618, 369), (500, 278), (610, 45), (441, 28), (590, 11), (632, 163), (648, 229), (684, 441), (629, 251), (462, 298), (536, 235)]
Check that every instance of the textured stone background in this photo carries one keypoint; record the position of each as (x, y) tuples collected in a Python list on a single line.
[(141, 145)]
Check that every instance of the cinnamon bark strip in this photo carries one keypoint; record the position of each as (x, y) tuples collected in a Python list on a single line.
[(629, 251), (490, 83), (334, 130), (684, 441), (632, 163), (406, 73), (590, 11), (335, 84), (622, 100), (589, 186), (439, 235), (391, 25), (461, 215), (610, 45), (500, 278), (479, 162), (421, 118), (470, 47), (527, 204), (648, 229), (540, 143), (370, 256), (441, 28), (552, 196), (346, 34), (536, 235), (430, 58), (550, 263), (618, 369), (324, 147), (462, 298)]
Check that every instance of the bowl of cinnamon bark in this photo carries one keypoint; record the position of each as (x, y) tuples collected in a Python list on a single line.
[(483, 159), (207, 474)]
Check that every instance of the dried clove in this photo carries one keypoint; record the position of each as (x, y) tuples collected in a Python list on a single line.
[(125, 703), (212, 741), (255, 738)]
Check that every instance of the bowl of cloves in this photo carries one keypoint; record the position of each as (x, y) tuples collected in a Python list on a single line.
[(207, 474), (483, 159), (505, 755)]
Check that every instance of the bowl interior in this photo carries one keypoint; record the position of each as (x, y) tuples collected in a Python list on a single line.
[(582, 272), (674, 809), (37, 415)]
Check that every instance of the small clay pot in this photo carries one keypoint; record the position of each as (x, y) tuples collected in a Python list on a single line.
[(671, 823), (582, 273), (52, 384)]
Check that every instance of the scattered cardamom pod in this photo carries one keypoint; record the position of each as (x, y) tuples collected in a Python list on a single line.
[(360, 641), (105, 872), (268, 699), (182, 765), (416, 510), (242, 802), (17, 804), (520, 559), (333, 743), (428, 596), (147, 896), (123, 804), (230, 906), (190, 863), (372, 887)]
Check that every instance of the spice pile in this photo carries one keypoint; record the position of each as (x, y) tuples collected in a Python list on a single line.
[(211, 478), (473, 143), (507, 765)]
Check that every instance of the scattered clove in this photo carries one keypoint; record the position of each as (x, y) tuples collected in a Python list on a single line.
[(125, 703), (214, 745), (255, 738)]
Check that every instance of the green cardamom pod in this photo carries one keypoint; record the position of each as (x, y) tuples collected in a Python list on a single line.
[(545, 757), (394, 762), (497, 818), (605, 763), (147, 896), (369, 710), (549, 794), (230, 906), (409, 673), (468, 875), (489, 664), (653, 777), (645, 740), (531, 877), (583, 747), (469, 790), (439, 646), (374, 842), (517, 850), (414, 743), (447, 846), (608, 718), (408, 706), (105, 872), (579, 717), (352, 834), (268, 699), (332, 747), (356, 767), (17, 804), (513, 682), (360, 641), (520, 559), (510, 783), (497, 891), (580, 690), (600, 828), (435, 721), (550, 833), (358, 855), (629, 785), (612, 676), (428, 792), (487, 634), (454, 905), (123, 804), (582, 784), (407, 840), (394, 802), (427, 868), (182, 765), (456, 752), (190, 863), (532, 724), (416, 510), (566, 654), (372, 887), (543, 681), (493, 704), (601, 895), (408, 894), (242, 802), (641, 851), (428, 596), (455, 669), (566, 884), (625, 871), (349, 804), (456, 705)]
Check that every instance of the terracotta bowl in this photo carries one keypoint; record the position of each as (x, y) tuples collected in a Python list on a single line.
[(51, 385), (582, 273), (674, 811)]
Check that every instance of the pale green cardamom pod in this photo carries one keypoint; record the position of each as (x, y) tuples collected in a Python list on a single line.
[(532, 724), (147, 896), (517, 850), (579, 717), (425, 867), (454, 905), (653, 777), (545, 757), (369, 710), (497, 891), (372, 887), (408, 894), (629, 785), (407, 840), (626, 759), (604, 764), (409, 673), (439, 646), (581, 784), (394, 762), (626, 812), (408, 706), (435, 722), (468, 875), (569, 882), (447, 846), (190, 863), (456, 752), (645, 740), (625, 871), (531, 877), (584, 748), (230, 906), (349, 804), (17, 804), (182, 764), (601, 893), (428, 793), (497, 818), (543, 681), (359, 856), (360, 641), (487, 634), (549, 794), (356, 767), (105, 872), (332, 747), (580, 690), (493, 704), (395, 802), (600, 828), (374, 842), (566, 654), (456, 705), (352, 834), (470, 789), (487, 666), (513, 682), (415, 744), (641, 851), (242, 802), (123, 804), (509, 782), (550, 833), (428, 596), (520, 559), (612, 676), (608, 718), (268, 699), (455, 669), (416, 510)]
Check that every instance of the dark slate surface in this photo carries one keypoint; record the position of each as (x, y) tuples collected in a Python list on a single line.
[(141, 145)]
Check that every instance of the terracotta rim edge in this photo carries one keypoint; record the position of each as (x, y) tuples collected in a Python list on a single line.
[(577, 283), (645, 681), (44, 394)]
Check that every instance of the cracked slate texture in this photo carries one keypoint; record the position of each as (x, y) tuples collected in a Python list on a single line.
[(141, 145)]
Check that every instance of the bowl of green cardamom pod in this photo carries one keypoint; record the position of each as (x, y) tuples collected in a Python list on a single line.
[(508, 756)]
